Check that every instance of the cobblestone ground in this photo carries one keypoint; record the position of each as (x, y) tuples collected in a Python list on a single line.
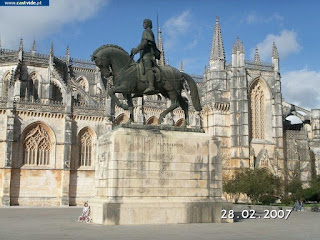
[(61, 223)]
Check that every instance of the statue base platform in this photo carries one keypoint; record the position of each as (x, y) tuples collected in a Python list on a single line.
[(158, 176)]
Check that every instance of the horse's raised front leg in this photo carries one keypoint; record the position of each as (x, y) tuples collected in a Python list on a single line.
[(174, 105), (112, 93), (130, 107)]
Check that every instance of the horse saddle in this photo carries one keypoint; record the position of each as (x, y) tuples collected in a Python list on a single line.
[(142, 74)]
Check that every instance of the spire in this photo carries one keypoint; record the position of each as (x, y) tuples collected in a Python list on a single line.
[(0, 42), (21, 45), (51, 49), (161, 61), (275, 58), (34, 48), (241, 47), (217, 50), (256, 57), (234, 48), (181, 66), (238, 43), (275, 53), (67, 55), (168, 61)]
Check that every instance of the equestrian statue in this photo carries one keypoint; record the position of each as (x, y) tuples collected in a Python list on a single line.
[(134, 79)]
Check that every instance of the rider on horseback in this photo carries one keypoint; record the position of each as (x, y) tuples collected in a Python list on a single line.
[(148, 53)]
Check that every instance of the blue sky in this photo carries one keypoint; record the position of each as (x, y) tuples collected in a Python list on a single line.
[(187, 28)]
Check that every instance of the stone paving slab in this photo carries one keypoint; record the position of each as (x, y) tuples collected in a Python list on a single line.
[(17, 223)]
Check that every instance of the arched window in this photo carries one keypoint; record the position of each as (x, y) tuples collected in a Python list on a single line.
[(122, 118), (85, 148), (180, 122), (258, 115), (152, 121), (37, 147), (33, 87), (56, 94)]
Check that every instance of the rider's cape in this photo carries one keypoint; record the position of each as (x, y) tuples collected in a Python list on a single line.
[(152, 48)]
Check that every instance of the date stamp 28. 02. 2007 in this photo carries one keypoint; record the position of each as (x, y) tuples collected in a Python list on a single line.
[(252, 214)]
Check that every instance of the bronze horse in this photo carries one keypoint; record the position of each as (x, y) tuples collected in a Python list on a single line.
[(125, 72)]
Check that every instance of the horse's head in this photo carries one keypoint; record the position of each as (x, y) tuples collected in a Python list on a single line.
[(103, 62), (111, 57)]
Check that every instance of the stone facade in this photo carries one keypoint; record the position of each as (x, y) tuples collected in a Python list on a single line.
[(54, 109)]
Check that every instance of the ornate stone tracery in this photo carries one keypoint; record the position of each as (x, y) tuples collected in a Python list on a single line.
[(85, 148), (37, 147), (257, 98)]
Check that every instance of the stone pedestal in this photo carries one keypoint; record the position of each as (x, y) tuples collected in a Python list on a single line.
[(157, 175)]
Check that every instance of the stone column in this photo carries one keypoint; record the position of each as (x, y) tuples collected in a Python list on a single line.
[(17, 87), (139, 118), (315, 123), (65, 180), (6, 178)]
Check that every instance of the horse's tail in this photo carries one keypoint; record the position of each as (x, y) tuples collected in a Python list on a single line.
[(193, 91)]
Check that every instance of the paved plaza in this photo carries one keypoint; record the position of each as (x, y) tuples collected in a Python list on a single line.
[(17, 223)]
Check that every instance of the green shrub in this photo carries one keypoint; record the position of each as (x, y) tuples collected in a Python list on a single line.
[(267, 199), (286, 200)]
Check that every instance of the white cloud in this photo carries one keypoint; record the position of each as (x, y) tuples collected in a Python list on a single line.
[(192, 44), (40, 22), (176, 27), (286, 43), (302, 88), (254, 18)]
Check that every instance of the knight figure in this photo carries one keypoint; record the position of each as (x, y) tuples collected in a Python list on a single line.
[(148, 54)]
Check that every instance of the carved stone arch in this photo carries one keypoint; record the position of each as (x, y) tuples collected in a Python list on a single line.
[(5, 84), (58, 93), (77, 96), (38, 145), (265, 84), (57, 81), (86, 146), (83, 83), (260, 109), (33, 86), (180, 122), (121, 118), (153, 120)]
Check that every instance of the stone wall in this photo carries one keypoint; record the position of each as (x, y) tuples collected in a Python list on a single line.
[(157, 175), (298, 155)]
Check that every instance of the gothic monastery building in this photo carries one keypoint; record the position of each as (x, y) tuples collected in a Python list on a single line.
[(54, 109)]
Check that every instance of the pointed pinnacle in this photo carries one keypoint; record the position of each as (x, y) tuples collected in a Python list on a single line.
[(51, 49), (275, 53), (256, 57), (238, 44), (234, 48), (21, 44), (34, 48), (67, 50), (241, 47), (217, 50), (181, 66)]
